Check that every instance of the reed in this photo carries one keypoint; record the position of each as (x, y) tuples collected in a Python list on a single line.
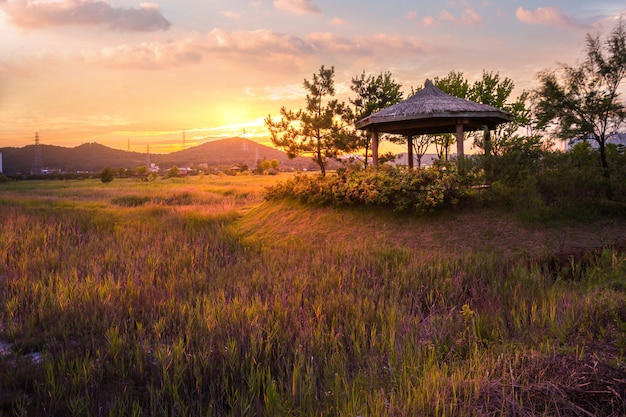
[(197, 302)]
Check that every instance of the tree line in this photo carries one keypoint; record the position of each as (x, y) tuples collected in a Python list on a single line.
[(579, 102)]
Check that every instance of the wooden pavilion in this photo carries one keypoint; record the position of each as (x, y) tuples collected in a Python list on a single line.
[(431, 111)]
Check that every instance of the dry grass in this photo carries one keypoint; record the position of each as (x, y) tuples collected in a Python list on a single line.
[(195, 297), (459, 232)]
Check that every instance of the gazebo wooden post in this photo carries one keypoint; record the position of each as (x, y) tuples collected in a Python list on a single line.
[(410, 152), (459, 138), (374, 136)]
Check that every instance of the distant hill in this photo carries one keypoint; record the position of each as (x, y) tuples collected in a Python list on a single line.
[(93, 157), (229, 151)]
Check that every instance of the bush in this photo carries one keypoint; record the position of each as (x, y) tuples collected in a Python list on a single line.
[(107, 175), (397, 188)]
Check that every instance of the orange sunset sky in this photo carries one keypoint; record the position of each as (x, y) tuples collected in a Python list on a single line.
[(132, 74)]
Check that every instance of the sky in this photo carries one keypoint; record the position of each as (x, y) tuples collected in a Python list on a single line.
[(168, 74)]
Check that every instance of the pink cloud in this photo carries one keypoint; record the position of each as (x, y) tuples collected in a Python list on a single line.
[(411, 16), (468, 17), (230, 14), (262, 44), (29, 14), (338, 22), (446, 16), (428, 20), (297, 6), (549, 16), (364, 45)]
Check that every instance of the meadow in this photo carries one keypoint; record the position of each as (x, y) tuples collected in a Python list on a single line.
[(197, 297)]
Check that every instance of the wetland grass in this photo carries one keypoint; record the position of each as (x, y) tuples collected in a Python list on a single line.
[(198, 298)]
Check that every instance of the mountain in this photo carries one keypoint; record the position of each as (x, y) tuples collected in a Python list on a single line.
[(226, 152), (86, 157), (93, 157)]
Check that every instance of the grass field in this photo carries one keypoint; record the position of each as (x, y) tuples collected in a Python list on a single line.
[(195, 297)]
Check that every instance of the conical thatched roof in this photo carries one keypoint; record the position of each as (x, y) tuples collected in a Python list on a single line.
[(433, 111)]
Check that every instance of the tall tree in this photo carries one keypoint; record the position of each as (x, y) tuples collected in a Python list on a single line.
[(495, 91), (318, 130), (373, 93), (583, 101)]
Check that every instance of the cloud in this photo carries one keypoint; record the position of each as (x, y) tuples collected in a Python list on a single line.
[(411, 15), (428, 20), (263, 44), (230, 14), (286, 92), (147, 55), (338, 22), (257, 46), (255, 42), (446, 16), (364, 45), (469, 18), (549, 16), (31, 14), (297, 6)]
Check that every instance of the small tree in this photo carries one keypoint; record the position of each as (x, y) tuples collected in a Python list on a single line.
[(318, 130), (107, 174), (373, 93), (495, 91), (142, 171), (583, 101), (420, 146), (173, 172)]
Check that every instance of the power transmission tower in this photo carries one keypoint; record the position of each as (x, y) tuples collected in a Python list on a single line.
[(37, 167), (184, 140)]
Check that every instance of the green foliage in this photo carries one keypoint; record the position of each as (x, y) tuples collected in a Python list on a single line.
[(545, 184), (318, 129), (583, 101), (173, 172), (373, 93), (142, 171), (393, 187), (491, 90), (107, 175)]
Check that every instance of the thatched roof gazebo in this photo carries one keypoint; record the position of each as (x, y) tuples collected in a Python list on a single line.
[(431, 111)]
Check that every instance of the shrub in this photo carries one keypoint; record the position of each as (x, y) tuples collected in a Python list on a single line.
[(107, 174), (397, 188)]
